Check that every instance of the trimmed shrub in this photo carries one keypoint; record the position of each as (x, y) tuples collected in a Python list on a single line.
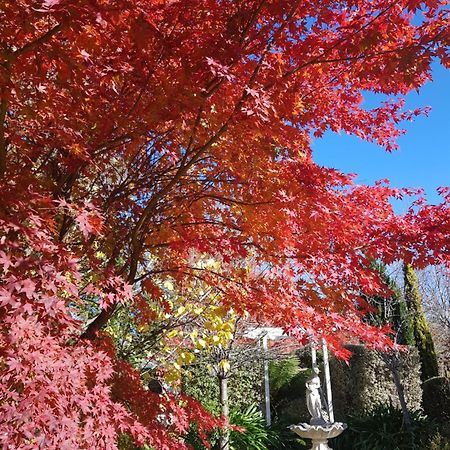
[(366, 382), (436, 398)]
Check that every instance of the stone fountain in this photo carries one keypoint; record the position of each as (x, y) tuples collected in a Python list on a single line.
[(319, 434), (322, 426)]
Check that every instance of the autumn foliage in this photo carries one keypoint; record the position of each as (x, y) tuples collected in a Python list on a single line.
[(139, 136)]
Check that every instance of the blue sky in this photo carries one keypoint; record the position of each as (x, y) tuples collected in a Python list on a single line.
[(423, 159)]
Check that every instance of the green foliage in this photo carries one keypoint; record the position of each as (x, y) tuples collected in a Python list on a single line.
[(286, 439), (256, 435), (436, 398), (383, 429), (287, 390), (366, 381), (422, 335), (202, 386), (392, 309), (126, 443), (244, 386), (196, 443), (438, 442), (282, 372)]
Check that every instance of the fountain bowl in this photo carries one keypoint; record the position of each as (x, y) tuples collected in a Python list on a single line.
[(319, 434)]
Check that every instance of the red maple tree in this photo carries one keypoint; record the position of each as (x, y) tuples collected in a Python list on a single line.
[(137, 133)]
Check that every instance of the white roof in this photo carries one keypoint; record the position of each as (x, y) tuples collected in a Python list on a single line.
[(272, 333)]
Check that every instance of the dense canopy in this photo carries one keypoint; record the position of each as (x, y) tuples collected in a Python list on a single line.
[(141, 138)]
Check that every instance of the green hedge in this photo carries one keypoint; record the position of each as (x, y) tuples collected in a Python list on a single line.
[(436, 398), (366, 382), (244, 387)]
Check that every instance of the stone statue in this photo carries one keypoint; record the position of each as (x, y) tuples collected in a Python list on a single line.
[(320, 429), (314, 399)]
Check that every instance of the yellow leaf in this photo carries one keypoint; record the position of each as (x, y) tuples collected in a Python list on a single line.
[(193, 334), (224, 365), (228, 326), (201, 343), (168, 285), (187, 357), (172, 334), (227, 335), (144, 328)]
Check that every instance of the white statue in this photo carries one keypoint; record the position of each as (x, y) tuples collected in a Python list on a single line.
[(322, 426), (314, 399)]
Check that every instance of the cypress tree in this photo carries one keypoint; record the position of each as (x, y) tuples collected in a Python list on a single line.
[(422, 335), (401, 319)]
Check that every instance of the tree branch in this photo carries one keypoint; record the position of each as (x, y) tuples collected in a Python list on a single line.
[(41, 40)]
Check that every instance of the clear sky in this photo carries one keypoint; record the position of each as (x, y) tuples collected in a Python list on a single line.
[(423, 159)]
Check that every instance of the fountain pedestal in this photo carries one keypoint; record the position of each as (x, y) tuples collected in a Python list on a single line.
[(319, 434)]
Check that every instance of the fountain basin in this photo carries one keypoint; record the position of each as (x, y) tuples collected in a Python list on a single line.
[(319, 434)]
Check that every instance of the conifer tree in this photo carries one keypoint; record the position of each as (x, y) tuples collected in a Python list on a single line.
[(422, 336)]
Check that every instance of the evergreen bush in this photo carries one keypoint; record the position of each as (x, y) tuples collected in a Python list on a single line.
[(436, 398), (244, 386)]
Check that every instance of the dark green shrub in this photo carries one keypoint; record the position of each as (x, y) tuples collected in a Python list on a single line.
[(436, 398), (288, 398), (125, 442), (383, 429), (366, 381), (422, 335), (286, 439)]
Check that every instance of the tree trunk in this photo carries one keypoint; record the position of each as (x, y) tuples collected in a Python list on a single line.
[(224, 440), (391, 361)]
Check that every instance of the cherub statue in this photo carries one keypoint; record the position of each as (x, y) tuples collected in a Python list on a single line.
[(314, 399)]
